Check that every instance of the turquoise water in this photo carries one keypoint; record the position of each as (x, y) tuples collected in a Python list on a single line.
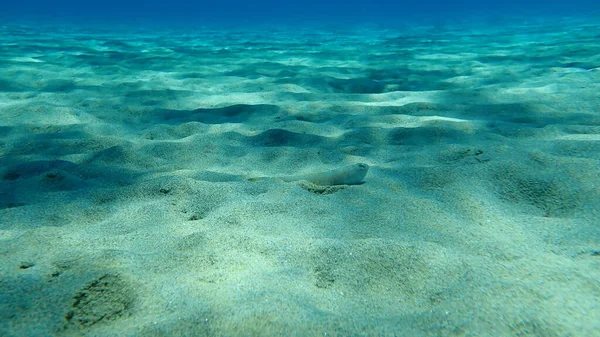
[(133, 158), (258, 11)]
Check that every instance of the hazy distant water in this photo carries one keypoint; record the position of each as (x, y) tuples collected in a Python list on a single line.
[(260, 11)]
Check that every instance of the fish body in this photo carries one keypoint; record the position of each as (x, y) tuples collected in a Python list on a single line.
[(348, 175)]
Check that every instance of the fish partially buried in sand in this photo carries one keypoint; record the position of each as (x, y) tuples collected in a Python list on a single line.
[(347, 175)]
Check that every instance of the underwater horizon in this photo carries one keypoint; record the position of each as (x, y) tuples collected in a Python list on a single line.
[(241, 12), (321, 168)]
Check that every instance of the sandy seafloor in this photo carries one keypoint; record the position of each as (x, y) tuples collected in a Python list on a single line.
[(126, 210)]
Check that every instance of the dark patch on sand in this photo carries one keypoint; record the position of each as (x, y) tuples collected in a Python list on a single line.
[(104, 299)]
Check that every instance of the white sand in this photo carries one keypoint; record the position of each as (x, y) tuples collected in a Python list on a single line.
[(125, 210)]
